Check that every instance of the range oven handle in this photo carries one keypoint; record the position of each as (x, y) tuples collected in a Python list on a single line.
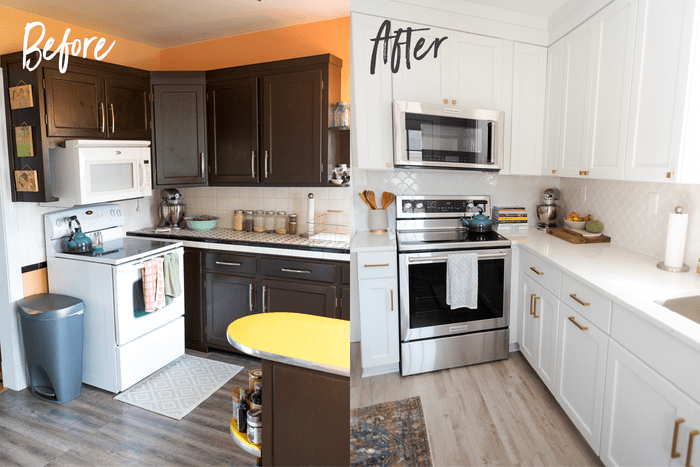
[(418, 259)]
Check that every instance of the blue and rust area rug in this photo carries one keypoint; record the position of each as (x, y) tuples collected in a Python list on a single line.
[(392, 433)]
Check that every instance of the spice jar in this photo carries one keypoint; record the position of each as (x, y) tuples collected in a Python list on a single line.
[(254, 380), (255, 427), (292, 230), (259, 221), (270, 222), (238, 219), (281, 222), (248, 221)]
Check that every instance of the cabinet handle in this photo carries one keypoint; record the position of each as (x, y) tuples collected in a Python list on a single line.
[(111, 108), (531, 300), (675, 454), (689, 456), (201, 157), (263, 298), (573, 295), (252, 164), (573, 320), (266, 157), (298, 271), (376, 265), (454, 101), (670, 174), (583, 172), (102, 112), (392, 299), (535, 310), (446, 101), (223, 263), (536, 271), (250, 297)]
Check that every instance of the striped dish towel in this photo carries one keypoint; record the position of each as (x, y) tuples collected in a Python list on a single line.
[(153, 284)]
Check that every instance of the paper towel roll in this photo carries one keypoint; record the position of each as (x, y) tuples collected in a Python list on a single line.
[(675, 240), (310, 214)]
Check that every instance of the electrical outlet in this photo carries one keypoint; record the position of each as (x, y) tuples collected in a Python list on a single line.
[(360, 177), (584, 193), (652, 204)]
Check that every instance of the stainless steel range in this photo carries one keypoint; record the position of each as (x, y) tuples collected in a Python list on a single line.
[(431, 232)]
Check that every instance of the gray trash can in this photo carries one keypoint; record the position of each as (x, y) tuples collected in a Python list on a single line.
[(52, 329)]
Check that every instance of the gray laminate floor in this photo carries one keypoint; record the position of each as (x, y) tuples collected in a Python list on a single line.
[(95, 430), (497, 413)]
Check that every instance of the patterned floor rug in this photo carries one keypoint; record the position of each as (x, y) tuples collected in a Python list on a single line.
[(179, 387), (387, 434)]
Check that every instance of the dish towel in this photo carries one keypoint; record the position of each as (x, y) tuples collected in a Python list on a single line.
[(462, 280), (153, 284), (171, 267)]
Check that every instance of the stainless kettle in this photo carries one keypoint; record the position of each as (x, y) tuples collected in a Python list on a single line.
[(77, 241)]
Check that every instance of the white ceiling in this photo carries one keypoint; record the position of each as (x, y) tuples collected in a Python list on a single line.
[(169, 23), (541, 8)]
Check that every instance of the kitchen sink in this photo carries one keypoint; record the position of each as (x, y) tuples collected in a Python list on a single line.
[(684, 306)]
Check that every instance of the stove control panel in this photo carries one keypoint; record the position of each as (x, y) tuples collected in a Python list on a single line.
[(443, 206)]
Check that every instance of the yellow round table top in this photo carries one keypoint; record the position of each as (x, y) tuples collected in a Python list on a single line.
[(308, 341)]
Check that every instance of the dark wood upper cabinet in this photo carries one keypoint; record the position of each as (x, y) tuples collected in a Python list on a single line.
[(233, 132), (128, 109), (75, 103), (179, 130)]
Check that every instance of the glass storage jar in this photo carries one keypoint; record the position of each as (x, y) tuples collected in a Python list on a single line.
[(238, 219), (292, 228), (259, 221), (248, 221), (270, 222), (281, 222), (341, 116)]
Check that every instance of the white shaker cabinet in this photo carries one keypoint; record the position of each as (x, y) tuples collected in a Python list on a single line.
[(643, 411), (556, 61), (371, 97)]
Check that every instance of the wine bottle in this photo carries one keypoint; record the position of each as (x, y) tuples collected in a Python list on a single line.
[(242, 412)]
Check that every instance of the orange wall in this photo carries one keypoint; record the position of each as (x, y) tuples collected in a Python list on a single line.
[(124, 52), (331, 36)]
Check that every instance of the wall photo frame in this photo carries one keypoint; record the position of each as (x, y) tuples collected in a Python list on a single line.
[(26, 180), (21, 96), (24, 141)]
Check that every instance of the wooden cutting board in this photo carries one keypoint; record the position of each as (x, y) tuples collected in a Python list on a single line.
[(575, 237)]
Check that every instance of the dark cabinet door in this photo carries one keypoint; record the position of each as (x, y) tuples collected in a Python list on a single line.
[(128, 108), (194, 318), (228, 298), (233, 132), (179, 135), (294, 297), (345, 303), (292, 129), (75, 103)]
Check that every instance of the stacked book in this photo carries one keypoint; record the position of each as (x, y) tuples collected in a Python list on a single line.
[(509, 218)]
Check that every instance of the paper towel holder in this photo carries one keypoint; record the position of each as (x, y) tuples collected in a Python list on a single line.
[(662, 265)]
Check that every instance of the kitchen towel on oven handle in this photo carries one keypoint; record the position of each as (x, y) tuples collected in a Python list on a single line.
[(153, 284), (462, 282), (171, 267)]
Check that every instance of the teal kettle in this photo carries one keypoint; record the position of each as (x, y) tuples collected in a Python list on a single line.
[(479, 223), (77, 241)]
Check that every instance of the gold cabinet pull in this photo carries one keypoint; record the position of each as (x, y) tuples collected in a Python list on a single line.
[(583, 172), (376, 265), (446, 101), (392, 299), (535, 309), (573, 320), (670, 174), (554, 171), (573, 295), (675, 454), (536, 271), (689, 456), (454, 101), (531, 297)]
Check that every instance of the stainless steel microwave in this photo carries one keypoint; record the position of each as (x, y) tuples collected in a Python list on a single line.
[(447, 137)]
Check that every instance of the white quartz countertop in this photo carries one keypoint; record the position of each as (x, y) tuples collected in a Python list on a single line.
[(366, 241), (625, 276)]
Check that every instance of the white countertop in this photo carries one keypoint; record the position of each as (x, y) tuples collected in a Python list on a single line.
[(366, 241), (625, 276)]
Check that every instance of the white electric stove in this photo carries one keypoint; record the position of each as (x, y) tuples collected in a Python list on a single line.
[(122, 344)]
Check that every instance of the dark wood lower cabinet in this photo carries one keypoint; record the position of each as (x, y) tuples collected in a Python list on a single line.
[(306, 417), (345, 303), (311, 299), (228, 298), (195, 338)]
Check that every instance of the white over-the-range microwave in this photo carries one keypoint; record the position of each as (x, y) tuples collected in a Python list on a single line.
[(100, 171), (447, 137)]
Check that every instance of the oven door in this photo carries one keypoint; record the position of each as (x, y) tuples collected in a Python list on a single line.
[(424, 312)]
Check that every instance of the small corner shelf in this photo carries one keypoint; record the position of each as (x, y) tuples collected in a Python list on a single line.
[(241, 439)]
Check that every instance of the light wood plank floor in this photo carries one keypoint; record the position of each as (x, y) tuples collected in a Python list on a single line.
[(497, 413), (94, 429)]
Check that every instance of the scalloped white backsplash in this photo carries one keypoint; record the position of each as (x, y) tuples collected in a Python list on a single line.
[(622, 206)]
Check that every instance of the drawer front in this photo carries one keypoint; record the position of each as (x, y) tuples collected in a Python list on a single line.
[(376, 265), (298, 270), (228, 263), (660, 350), (586, 301), (541, 271)]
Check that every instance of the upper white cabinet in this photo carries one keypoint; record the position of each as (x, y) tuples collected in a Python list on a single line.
[(371, 97), (554, 107)]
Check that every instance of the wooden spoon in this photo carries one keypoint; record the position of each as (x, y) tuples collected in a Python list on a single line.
[(387, 199), (370, 198), (363, 198)]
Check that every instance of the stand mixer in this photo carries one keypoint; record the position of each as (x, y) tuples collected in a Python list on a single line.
[(548, 211), (172, 209)]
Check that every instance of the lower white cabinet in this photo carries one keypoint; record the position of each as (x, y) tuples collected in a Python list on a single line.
[(580, 375), (538, 335), (379, 323), (643, 410)]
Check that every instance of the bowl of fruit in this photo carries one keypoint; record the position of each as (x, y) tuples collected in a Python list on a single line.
[(201, 223), (576, 221)]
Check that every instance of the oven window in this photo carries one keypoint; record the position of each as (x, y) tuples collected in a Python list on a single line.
[(427, 285)]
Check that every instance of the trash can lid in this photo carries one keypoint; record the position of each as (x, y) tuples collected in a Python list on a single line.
[(49, 306)]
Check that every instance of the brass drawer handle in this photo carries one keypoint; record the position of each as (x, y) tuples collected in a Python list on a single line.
[(392, 299), (533, 295), (573, 295), (223, 263), (376, 265), (535, 311), (573, 320), (689, 456), (536, 271), (298, 271), (675, 454)]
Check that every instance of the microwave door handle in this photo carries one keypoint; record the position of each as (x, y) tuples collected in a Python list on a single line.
[(141, 177), (492, 137)]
